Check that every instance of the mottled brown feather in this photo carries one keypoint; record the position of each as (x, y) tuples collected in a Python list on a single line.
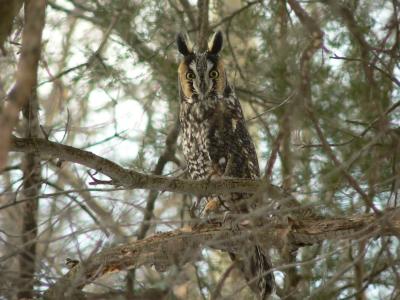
[(185, 84)]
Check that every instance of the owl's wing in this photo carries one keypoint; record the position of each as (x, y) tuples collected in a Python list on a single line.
[(241, 145), (233, 107)]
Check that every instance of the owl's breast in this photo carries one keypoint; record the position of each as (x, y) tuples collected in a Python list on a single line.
[(204, 140)]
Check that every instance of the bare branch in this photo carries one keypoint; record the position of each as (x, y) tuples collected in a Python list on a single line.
[(181, 246), (26, 73), (132, 179), (203, 24), (188, 11), (8, 10)]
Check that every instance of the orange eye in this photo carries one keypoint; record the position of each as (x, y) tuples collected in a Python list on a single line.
[(190, 76), (214, 74)]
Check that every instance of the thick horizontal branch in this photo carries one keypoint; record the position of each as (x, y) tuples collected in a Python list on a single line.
[(132, 179), (181, 246)]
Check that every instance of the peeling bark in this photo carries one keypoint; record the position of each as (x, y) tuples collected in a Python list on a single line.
[(183, 245)]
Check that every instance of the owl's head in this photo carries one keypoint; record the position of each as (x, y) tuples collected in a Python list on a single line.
[(201, 74)]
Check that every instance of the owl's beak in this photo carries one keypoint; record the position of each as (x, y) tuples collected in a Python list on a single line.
[(203, 89)]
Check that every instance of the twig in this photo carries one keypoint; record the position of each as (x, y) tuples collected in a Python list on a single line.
[(217, 291), (26, 75), (98, 181), (391, 77)]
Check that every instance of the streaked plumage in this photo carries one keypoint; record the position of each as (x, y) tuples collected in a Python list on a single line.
[(216, 143)]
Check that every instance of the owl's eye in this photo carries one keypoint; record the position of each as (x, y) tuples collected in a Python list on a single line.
[(214, 74), (190, 76)]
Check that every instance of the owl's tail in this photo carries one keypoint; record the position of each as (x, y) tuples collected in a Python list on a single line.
[(256, 268)]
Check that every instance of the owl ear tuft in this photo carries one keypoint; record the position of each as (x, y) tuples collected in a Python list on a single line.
[(183, 43), (215, 43)]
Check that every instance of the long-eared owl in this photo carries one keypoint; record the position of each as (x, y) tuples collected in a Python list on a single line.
[(216, 143)]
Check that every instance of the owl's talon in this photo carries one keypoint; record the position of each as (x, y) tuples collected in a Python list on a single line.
[(214, 173), (230, 219), (193, 207), (212, 206), (210, 213), (212, 210)]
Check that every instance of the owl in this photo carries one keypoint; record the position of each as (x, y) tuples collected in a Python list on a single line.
[(216, 143)]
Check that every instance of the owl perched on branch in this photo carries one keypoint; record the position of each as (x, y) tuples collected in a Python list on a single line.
[(217, 144)]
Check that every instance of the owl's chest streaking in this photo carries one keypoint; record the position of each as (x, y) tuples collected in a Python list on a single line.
[(214, 136), (205, 137)]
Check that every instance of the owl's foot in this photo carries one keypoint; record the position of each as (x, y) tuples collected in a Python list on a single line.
[(194, 207), (212, 206), (214, 173), (212, 210), (231, 220)]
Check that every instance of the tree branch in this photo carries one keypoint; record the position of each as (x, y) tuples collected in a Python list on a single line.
[(181, 246), (9, 9), (203, 22), (188, 11), (132, 179), (26, 76)]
